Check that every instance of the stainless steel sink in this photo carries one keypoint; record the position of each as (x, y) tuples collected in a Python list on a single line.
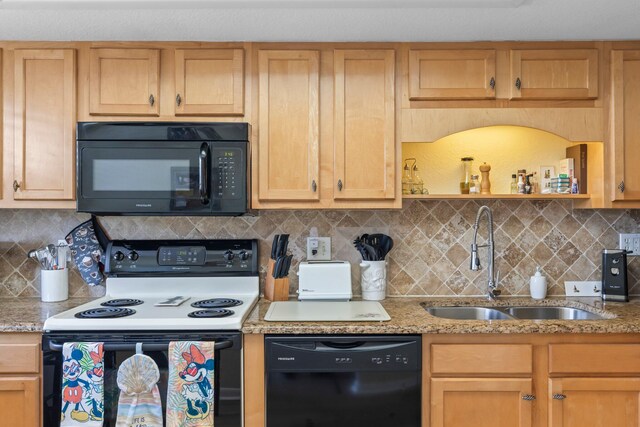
[(545, 313), (512, 313), (468, 313)]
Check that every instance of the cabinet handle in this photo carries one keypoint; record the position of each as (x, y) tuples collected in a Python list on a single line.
[(339, 185), (621, 186), (314, 187), (178, 100), (16, 186), (528, 397), (492, 83), (559, 396), (152, 100), (518, 83)]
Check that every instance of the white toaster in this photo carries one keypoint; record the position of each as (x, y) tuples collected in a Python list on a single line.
[(324, 280)]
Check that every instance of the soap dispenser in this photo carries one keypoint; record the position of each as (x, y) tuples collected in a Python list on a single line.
[(538, 285)]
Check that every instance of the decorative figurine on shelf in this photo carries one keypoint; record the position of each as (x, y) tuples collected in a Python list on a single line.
[(574, 186), (485, 185)]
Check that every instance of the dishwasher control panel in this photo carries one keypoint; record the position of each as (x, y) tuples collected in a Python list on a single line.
[(340, 353)]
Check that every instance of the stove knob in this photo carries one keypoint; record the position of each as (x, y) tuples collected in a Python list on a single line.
[(118, 256), (228, 255), (244, 255), (133, 255)]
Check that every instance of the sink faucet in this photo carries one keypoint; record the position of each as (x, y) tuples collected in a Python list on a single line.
[(492, 281)]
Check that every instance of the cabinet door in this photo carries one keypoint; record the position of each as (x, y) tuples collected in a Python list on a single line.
[(209, 82), (481, 402), (364, 124), (625, 111), (288, 143), (594, 402), (452, 74), (44, 124), (554, 74), (124, 82), (20, 401)]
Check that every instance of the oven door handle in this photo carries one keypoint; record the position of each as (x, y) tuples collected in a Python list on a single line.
[(219, 345)]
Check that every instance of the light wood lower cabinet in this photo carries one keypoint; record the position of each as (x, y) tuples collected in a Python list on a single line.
[(20, 395), (594, 402), (481, 402)]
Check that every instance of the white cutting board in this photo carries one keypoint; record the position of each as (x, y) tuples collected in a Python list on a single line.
[(326, 311)]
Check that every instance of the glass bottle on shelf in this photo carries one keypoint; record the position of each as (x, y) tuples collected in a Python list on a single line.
[(467, 165), (474, 185), (407, 176), (514, 184), (417, 186)]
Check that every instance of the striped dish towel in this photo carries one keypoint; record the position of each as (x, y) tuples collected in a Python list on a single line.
[(190, 392), (82, 384), (139, 403)]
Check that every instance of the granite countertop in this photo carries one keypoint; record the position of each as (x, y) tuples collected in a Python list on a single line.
[(29, 314), (408, 316)]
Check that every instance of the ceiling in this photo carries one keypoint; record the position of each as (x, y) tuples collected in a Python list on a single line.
[(320, 20)]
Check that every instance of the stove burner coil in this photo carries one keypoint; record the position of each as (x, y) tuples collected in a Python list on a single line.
[(104, 313), (122, 302), (218, 312), (216, 303)]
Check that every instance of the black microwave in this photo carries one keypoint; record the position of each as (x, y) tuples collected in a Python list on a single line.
[(138, 168)]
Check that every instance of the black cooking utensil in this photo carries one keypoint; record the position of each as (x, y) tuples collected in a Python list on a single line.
[(283, 244), (277, 268), (287, 265), (274, 247)]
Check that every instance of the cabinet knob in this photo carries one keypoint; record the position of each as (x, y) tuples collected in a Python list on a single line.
[(314, 186), (16, 186), (152, 100), (178, 100), (621, 186), (339, 185), (492, 83), (518, 83), (559, 396), (528, 397)]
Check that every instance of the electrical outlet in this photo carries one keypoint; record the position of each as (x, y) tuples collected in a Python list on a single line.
[(318, 248), (630, 242)]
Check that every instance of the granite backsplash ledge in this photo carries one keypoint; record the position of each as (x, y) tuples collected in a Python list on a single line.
[(430, 257)]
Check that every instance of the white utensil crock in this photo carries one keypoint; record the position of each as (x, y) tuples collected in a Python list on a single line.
[(373, 280), (54, 285)]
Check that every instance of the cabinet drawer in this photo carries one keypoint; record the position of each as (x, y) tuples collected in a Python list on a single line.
[(19, 358), (594, 358), (481, 359)]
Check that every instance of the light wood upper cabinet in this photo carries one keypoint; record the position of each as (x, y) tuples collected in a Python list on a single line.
[(364, 124), (209, 82), (289, 123), (452, 74), (594, 402), (44, 124), (124, 82), (554, 74), (481, 402), (625, 129)]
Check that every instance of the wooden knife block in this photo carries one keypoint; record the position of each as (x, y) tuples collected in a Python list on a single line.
[(275, 289)]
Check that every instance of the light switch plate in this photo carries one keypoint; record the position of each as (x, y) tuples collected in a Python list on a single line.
[(318, 248), (589, 288)]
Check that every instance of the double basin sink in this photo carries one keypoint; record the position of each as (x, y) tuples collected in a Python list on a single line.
[(512, 313)]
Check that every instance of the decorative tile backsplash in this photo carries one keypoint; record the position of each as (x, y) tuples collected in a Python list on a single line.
[(430, 257)]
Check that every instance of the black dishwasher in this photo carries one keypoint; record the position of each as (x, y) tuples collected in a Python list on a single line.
[(343, 381)]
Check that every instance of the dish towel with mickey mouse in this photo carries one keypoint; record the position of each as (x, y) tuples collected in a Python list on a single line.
[(190, 392), (82, 384)]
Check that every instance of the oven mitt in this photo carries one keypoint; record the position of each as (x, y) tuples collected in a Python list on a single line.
[(82, 384), (139, 403), (190, 384), (87, 251)]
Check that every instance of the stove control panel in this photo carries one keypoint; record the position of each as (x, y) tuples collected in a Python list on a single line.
[(182, 257)]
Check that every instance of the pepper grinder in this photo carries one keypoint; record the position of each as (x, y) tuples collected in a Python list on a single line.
[(485, 185)]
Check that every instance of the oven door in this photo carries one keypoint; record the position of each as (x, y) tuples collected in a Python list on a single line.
[(119, 346), (144, 176)]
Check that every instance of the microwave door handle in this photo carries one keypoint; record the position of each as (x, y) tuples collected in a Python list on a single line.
[(203, 178), (219, 345)]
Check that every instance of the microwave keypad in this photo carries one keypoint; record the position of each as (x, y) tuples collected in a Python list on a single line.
[(229, 179)]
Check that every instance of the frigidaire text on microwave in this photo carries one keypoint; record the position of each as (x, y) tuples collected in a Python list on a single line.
[(139, 168)]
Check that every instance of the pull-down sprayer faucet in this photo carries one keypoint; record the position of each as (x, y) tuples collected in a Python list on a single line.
[(492, 280)]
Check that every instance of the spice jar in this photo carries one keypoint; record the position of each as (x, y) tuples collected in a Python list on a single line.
[(465, 178)]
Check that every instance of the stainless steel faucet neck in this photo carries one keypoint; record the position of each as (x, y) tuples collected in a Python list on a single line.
[(492, 281)]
